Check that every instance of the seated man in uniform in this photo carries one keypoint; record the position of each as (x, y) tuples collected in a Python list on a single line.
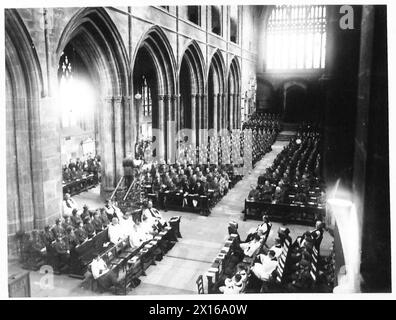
[(97, 222), (58, 230), (89, 228), (67, 223), (75, 218), (105, 276), (267, 192), (254, 194), (48, 237), (63, 254)]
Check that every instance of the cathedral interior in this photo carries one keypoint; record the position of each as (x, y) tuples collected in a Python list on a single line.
[(264, 123)]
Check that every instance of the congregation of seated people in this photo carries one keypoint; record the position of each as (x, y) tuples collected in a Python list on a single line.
[(294, 176), (237, 268), (81, 174), (190, 186), (269, 122), (262, 142), (55, 244), (265, 128), (262, 275)]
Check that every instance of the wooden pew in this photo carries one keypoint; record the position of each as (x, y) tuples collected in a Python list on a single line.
[(82, 255), (290, 213), (216, 271)]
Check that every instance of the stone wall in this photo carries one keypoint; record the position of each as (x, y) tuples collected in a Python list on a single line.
[(34, 162)]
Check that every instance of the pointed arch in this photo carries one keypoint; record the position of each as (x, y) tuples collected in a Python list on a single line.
[(26, 207), (191, 86), (100, 45), (193, 54), (155, 60), (216, 90), (234, 94), (94, 36), (157, 44)]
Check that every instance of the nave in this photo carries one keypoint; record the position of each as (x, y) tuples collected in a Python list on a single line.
[(202, 239)]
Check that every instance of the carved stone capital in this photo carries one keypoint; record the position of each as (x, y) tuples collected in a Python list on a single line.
[(117, 99)]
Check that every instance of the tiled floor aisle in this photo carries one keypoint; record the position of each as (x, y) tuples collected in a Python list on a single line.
[(203, 237)]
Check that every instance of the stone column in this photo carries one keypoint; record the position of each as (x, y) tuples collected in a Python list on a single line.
[(137, 106), (237, 107), (220, 127), (203, 128), (193, 119), (225, 111), (160, 131), (119, 129), (215, 111), (107, 137), (129, 125), (231, 109), (172, 131)]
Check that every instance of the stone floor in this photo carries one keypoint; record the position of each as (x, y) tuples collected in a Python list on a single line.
[(203, 237)]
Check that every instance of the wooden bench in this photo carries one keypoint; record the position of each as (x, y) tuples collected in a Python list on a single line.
[(290, 213), (216, 271), (82, 255)]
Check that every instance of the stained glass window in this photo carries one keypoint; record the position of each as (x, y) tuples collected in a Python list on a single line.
[(234, 21), (296, 37), (146, 96)]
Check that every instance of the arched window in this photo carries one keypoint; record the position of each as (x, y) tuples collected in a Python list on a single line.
[(75, 92), (194, 14), (234, 22), (146, 98), (296, 37), (216, 19)]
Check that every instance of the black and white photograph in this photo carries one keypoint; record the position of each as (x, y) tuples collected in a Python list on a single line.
[(216, 150)]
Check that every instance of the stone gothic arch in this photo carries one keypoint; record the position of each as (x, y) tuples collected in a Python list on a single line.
[(191, 86), (216, 96), (99, 44), (154, 57), (26, 191), (233, 113)]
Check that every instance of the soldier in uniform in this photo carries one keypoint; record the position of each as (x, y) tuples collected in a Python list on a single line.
[(254, 194), (71, 239), (75, 219), (97, 222), (62, 254), (58, 230), (66, 223), (89, 228), (104, 218), (80, 233)]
